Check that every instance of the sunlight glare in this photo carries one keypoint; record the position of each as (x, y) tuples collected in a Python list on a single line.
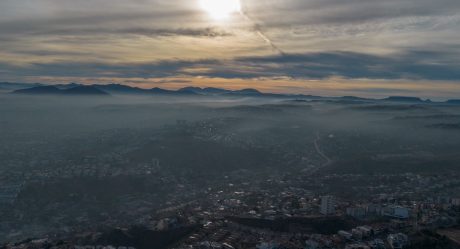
[(221, 9)]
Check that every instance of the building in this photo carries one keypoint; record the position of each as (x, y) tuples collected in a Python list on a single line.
[(397, 241), (345, 234), (373, 209), (377, 244), (357, 246), (327, 205), (362, 232), (396, 212), (266, 245), (367, 231), (310, 244), (356, 212)]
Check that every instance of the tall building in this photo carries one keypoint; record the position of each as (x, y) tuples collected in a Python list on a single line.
[(327, 205)]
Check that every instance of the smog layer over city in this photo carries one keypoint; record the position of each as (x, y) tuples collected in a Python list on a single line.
[(229, 124)]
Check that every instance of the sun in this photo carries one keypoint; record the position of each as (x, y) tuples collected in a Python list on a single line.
[(221, 9)]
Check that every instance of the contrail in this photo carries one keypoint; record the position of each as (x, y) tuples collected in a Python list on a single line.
[(258, 30)]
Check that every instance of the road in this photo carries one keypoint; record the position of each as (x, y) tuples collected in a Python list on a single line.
[(320, 152)]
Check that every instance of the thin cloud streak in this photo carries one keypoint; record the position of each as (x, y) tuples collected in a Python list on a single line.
[(258, 30)]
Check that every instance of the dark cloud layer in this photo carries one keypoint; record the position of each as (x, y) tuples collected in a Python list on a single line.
[(410, 65)]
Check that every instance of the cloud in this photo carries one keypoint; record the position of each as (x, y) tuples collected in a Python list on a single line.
[(411, 65), (40, 29), (428, 65), (292, 12), (322, 39)]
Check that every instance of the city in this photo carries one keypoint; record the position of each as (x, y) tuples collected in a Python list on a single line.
[(229, 124), (128, 180)]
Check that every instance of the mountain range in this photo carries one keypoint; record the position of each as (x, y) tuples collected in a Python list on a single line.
[(118, 89), (53, 90)]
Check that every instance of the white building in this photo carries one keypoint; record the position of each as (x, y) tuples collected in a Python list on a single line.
[(327, 205)]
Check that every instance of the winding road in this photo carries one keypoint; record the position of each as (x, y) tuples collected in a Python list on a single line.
[(320, 152)]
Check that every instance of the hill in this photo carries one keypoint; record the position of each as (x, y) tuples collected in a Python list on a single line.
[(84, 90), (404, 99), (205, 91), (121, 89), (453, 101), (52, 90), (39, 90)]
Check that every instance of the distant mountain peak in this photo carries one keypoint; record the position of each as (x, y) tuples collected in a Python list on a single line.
[(453, 101), (248, 91), (84, 90), (403, 99), (191, 88), (53, 90), (204, 91), (39, 90)]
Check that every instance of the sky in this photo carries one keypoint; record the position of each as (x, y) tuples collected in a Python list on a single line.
[(329, 47)]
